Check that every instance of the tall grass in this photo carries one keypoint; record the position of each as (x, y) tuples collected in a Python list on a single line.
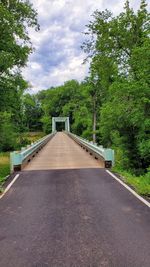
[(4, 166), (141, 183)]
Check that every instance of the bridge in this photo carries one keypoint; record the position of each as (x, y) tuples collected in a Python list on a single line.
[(62, 150), (66, 208)]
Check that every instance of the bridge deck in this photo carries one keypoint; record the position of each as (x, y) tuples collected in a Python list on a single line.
[(63, 153)]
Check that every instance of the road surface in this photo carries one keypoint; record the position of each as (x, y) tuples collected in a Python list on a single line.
[(72, 218), (63, 153)]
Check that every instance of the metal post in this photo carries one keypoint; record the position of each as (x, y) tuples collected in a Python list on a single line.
[(68, 123), (53, 125)]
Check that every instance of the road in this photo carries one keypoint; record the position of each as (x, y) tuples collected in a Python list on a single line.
[(72, 218), (63, 153)]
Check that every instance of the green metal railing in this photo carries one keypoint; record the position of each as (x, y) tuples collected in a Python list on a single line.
[(18, 159), (105, 154)]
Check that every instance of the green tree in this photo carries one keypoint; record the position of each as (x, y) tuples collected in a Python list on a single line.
[(32, 113), (119, 52), (15, 46), (16, 17), (8, 134)]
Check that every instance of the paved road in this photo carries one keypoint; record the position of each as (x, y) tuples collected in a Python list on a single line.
[(72, 218), (63, 153)]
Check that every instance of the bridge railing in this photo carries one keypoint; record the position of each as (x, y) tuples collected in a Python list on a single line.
[(104, 154), (18, 159)]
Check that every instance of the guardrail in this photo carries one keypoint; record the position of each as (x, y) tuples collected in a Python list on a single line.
[(18, 159), (105, 154)]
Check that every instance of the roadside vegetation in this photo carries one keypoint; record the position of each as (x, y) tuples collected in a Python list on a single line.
[(24, 139), (141, 183), (27, 138), (4, 167), (111, 106)]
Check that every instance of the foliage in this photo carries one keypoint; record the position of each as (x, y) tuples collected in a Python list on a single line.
[(4, 167), (140, 183), (16, 17), (15, 46), (119, 48), (7, 132), (32, 113), (111, 106)]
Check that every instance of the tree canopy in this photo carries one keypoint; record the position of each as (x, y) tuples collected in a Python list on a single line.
[(16, 17)]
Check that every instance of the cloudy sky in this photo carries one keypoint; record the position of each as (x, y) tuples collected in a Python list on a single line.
[(58, 56)]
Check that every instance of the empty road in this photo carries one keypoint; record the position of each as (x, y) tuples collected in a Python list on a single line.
[(74, 216)]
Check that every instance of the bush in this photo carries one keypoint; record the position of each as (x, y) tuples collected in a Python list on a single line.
[(4, 167), (140, 183), (8, 136), (46, 120)]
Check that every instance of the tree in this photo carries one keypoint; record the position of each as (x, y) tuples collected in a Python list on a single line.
[(32, 113), (7, 133), (119, 52), (15, 46), (16, 17)]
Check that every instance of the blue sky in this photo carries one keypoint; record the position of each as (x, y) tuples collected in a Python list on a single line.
[(58, 56)]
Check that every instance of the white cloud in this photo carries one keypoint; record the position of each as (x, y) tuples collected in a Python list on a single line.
[(57, 75), (58, 56)]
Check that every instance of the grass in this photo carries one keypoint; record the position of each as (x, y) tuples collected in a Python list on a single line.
[(141, 184), (29, 137), (34, 136), (5, 158), (4, 167)]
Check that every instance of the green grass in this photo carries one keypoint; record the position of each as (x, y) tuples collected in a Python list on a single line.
[(34, 136), (27, 138), (5, 158), (4, 167), (141, 184)]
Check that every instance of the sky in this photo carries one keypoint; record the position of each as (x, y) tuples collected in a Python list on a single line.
[(58, 56)]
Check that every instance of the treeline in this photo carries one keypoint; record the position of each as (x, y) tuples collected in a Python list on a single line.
[(16, 17), (111, 106), (119, 48)]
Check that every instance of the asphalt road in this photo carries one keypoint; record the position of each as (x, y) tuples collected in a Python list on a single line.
[(72, 218)]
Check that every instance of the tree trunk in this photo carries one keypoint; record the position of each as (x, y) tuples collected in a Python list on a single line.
[(94, 120)]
